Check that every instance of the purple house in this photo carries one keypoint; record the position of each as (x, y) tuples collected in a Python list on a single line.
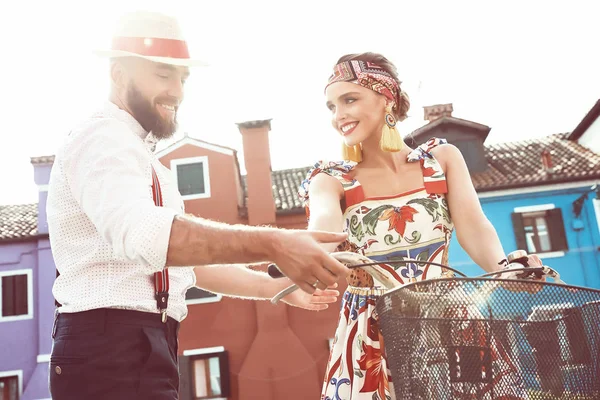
[(27, 273)]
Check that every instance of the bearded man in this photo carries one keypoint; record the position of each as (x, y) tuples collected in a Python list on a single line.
[(124, 249)]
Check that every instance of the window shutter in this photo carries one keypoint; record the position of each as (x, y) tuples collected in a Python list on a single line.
[(14, 295), (519, 229), (186, 381), (556, 227), (8, 296), (225, 384), (21, 294)]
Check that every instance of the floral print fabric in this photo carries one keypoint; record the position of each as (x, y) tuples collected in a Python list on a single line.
[(415, 225)]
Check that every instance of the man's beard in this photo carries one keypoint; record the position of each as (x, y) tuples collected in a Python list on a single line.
[(148, 116)]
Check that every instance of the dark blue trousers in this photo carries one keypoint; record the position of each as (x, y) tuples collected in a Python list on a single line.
[(114, 354)]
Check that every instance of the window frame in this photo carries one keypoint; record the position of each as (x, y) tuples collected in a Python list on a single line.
[(206, 354), (19, 375), (29, 314), (535, 236), (205, 173)]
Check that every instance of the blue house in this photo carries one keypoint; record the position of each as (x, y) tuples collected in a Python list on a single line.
[(542, 195)]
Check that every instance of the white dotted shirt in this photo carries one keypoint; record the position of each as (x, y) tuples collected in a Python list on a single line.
[(107, 236)]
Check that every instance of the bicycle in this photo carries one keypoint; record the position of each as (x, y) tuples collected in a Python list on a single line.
[(443, 336)]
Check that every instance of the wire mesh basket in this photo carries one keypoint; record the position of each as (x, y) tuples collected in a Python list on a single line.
[(473, 338)]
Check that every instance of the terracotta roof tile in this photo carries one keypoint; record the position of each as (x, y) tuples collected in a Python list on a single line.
[(519, 164), (285, 188), (18, 221), (42, 160), (510, 165)]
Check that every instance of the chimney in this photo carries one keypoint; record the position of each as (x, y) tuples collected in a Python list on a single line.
[(257, 158), (41, 176), (438, 111), (547, 165)]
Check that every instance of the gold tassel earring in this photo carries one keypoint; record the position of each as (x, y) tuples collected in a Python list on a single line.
[(390, 137), (353, 153)]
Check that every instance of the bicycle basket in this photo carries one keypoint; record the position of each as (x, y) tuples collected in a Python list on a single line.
[(470, 338)]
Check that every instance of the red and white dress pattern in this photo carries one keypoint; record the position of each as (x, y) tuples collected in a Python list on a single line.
[(415, 225)]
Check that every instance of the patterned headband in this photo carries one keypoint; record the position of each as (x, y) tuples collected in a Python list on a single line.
[(368, 75)]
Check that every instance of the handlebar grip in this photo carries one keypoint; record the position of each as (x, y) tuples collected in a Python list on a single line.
[(274, 271), (520, 257)]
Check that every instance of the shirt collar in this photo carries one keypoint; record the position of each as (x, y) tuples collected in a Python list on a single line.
[(149, 139)]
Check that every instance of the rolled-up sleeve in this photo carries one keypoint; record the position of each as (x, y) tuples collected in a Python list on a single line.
[(109, 172)]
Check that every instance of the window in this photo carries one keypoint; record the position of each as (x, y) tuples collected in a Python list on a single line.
[(9, 386), (209, 373), (196, 295), (540, 229), (16, 295), (192, 177)]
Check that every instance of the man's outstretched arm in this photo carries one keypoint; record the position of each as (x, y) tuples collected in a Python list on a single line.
[(298, 253)]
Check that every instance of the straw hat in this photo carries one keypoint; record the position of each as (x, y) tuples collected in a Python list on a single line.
[(153, 36)]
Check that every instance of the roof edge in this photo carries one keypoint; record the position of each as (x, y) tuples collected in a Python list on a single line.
[(586, 122), (530, 185), (448, 120), (25, 238), (198, 143)]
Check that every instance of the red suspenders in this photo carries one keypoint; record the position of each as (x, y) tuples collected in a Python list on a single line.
[(161, 278)]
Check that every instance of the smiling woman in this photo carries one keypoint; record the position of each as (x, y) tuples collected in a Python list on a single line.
[(395, 203), (379, 89)]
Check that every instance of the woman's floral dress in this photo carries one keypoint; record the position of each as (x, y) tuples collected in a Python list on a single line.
[(415, 225)]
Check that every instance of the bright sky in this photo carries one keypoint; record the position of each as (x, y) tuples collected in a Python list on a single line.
[(524, 68)]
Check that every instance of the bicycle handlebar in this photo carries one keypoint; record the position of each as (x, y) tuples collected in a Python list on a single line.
[(355, 260)]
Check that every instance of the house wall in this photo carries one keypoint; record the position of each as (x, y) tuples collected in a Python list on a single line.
[(222, 205), (273, 351), (292, 221), (580, 264), (26, 341), (19, 338)]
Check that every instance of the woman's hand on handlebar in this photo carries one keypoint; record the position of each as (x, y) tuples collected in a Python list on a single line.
[(530, 287)]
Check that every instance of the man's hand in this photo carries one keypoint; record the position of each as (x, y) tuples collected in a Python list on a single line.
[(299, 255), (317, 301)]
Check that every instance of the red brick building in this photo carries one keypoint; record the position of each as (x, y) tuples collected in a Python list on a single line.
[(241, 349)]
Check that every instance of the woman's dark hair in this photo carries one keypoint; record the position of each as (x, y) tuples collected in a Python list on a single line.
[(402, 100)]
